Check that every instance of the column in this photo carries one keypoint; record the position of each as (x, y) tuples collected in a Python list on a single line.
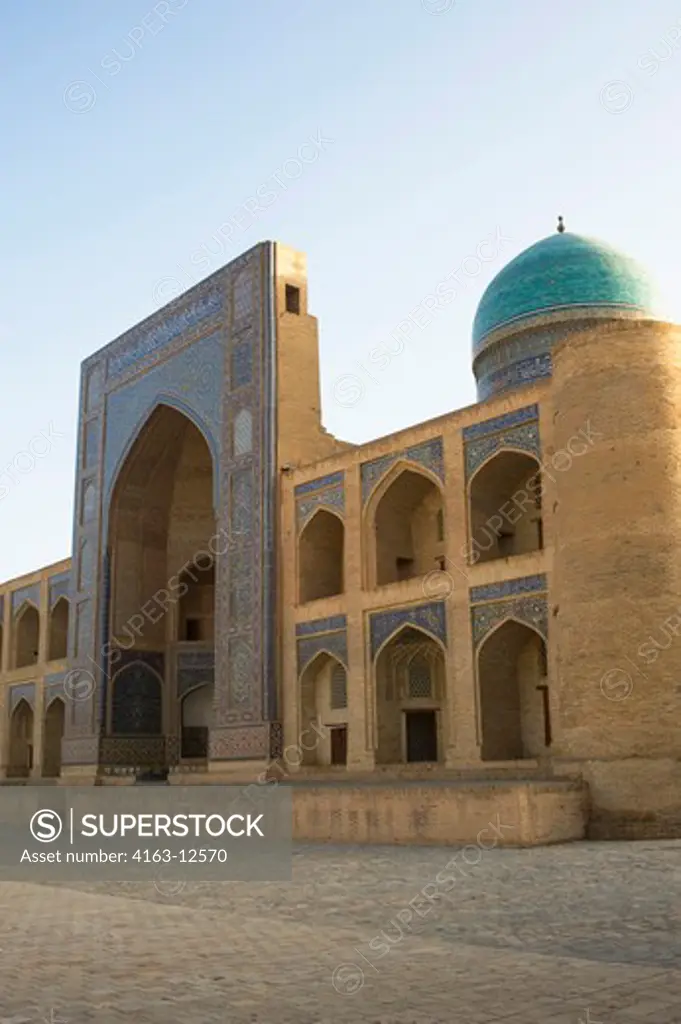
[(361, 696), (463, 744)]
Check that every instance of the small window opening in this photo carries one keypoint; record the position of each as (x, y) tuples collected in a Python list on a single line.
[(192, 631), (292, 299)]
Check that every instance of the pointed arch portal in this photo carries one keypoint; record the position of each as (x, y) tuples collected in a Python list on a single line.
[(513, 688), (161, 543)]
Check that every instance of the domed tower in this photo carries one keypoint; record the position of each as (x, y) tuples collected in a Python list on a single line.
[(560, 286), (615, 588)]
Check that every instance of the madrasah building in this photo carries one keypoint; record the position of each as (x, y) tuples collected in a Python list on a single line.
[(492, 594)]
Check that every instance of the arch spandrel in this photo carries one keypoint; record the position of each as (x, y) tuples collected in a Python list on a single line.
[(190, 382), (527, 611)]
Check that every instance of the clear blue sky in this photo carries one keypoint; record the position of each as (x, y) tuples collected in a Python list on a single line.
[(128, 140)]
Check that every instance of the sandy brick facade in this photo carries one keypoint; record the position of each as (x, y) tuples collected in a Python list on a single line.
[(492, 594)]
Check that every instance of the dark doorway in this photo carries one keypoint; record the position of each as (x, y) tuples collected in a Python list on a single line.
[(194, 742), (421, 736), (339, 745)]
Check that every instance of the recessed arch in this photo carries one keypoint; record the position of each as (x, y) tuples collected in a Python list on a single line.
[(20, 740), (161, 530), (417, 628), (321, 550), (504, 501), (58, 630), (165, 400), (196, 712), (324, 721), (403, 525), (53, 733), (26, 635), (136, 701), (513, 690), (410, 721)]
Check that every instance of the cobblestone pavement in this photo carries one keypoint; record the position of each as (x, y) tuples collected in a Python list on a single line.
[(580, 933)]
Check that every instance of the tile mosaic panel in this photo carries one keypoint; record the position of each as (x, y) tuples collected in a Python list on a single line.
[(241, 670), (59, 586), (53, 687), (332, 498), (430, 454), (88, 508), (80, 750), (190, 381), (137, 702), (523, 438), (526, 371), (333, 643), (243, 433), (321, 625), (91, 438), (430, 617), (242, 365), (508, 588), (94, 387), (194, 668), (148, 338), (533, 611), (321, 483), (501, 423), (30, 593), (240, 743), (23, 691)]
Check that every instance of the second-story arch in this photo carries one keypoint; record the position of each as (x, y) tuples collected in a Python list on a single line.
[(26, 636), (405, 525), (505, 511), (321, 551)]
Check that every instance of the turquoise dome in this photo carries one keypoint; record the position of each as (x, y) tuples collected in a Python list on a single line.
[(562, 272)]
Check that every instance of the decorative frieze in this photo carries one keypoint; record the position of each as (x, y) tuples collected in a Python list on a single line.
[(508, 588)]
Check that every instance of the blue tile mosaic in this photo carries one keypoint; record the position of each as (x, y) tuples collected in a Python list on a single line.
[(524, 438), (194, 668), (309, 647), (22, 691), (59, 586), (190, 381), (146, 339), (493, 426), (524, 372), (321, 625), (332, 498), (30, 593), (332, 480), (429, 617), (508, 588), (53, 687), (242, 365), (562, 271), (430, 454), (532, 611)]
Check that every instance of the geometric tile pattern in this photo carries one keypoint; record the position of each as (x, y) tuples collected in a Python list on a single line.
[(131, 375), (194, 668), (327, 491), (309, 647), (533, 611), (22, 691), (518, 430), (59, 587), (30, 593), (429, 617), (429, 454), (508, 588), (334, 622)]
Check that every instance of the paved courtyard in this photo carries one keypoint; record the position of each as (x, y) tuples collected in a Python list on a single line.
[(582, 933)]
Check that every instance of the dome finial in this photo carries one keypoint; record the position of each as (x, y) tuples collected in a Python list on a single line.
[(561, 226)]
